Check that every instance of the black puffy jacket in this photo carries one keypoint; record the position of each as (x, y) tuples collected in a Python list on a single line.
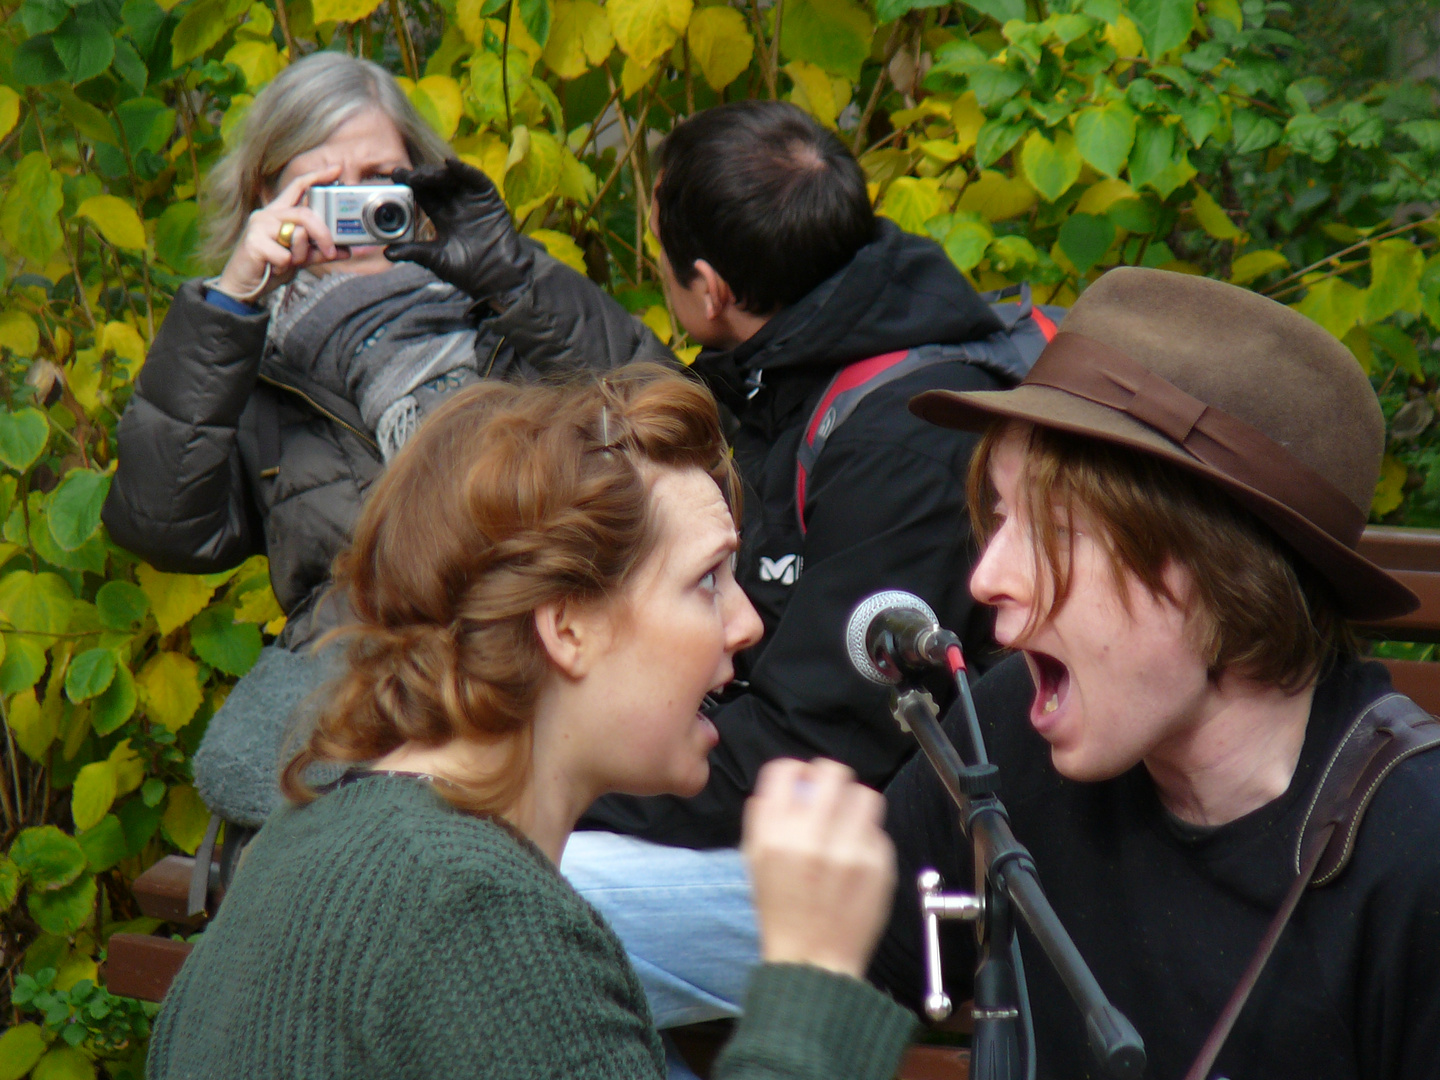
[(885, 508), (222, 457)]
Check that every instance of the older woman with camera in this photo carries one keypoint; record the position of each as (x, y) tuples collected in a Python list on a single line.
[(543, 596), (276, 391)]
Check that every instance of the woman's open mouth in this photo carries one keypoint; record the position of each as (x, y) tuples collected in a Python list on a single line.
[(1052, 687)]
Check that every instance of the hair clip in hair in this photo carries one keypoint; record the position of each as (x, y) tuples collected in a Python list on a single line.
[(605, 440)]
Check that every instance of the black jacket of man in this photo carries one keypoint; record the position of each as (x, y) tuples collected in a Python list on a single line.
[(885, 509)]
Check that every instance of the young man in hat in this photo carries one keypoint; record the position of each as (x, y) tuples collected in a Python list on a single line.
[(1170, 505)]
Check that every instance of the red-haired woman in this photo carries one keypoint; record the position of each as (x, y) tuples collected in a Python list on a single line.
[(544, 597)]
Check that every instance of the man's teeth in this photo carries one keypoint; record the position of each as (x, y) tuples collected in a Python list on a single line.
[(1052, 703)]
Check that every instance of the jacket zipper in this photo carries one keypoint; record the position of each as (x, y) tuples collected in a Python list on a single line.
[(321, 410)]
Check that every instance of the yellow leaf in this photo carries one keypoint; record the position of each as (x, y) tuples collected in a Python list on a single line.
[(813, 92), (489, 153), (84, 376), (1212, 217), (534, 175), (1051, 167), (258, 606), (34, 728), (174, 598), (1335, 304), (562, 247), (520, 40), (1124, 37), (1390, 491), (129, 768), (126, 343), (259, 61), (19, 334), (9, 110), (997, 197), (1256, 264), (580, 38), (1229, 10), (73, 968), (1102, 195), (274, 626), (437, 97), (646, 30), (342, 10), (968, 120), (169, 686), (185, 819), (721, 44), (633, 76), (910, 202), (658, 320), (471, 22), (577, 182), (1358, 342), (116, 219), (92, 794), (234, 117), (687, 355)]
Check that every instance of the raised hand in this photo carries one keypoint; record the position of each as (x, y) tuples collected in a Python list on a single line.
[(476, 248), (822, 866), (261, 260)]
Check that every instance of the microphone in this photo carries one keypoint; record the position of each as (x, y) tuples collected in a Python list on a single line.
[(892, 634)]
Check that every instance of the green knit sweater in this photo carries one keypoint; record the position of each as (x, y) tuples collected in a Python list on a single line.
[(377, 933)]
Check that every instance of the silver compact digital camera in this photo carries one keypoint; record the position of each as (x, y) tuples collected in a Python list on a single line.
[(365, 213)]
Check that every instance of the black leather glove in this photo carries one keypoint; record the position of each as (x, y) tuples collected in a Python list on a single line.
[(476, 248)]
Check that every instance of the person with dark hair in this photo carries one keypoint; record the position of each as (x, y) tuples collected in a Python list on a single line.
[(513, 578), (1187, 741), (774, 261)]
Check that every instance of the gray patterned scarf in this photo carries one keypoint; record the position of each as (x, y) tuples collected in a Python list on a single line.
[(396, 344)]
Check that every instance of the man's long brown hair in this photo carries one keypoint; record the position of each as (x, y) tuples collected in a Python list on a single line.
[(508, 498), (1256, 609)]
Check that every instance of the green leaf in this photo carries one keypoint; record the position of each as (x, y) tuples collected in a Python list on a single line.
[(152, 791), (535, 14), (177, 237), (42, 16), (204, 24), (1314, 136), (130, 67), (1104, 136), (30, 214), (20, 1048), (965, 236), (185, 819), (116, 704), (1423, 133), (995, 140), (47, 858), (35, 603), (1399, 346), (67, 909), (1333, 303), (223, 643), (89, 674), (887, 11), (9, 882), (834, 35), (1002, 11), (74, 507), (1133, 215), (1163, 24), (1155, 161), (910, 202), (85, 46), (139, 822), (1012, 254), (1085, 238), (36, 63), (1051, 168), (92, 794), (23, 665), (1253, 132), (1200, 115), (993, 84), (121, 605), (148, 123), (104, 845), (23, 435)]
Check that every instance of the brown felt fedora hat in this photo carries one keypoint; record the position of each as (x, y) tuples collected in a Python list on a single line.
[(1228, 385)]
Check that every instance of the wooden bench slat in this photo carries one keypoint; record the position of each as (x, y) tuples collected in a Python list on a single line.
[(142, 966), (934, 1063)]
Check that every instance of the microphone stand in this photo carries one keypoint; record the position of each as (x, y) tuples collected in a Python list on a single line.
[(1010, 886)]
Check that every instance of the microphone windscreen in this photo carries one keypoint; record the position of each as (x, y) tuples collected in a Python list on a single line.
[(857, 630)]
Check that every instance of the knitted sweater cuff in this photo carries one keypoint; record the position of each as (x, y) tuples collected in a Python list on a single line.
[(814, 1023)]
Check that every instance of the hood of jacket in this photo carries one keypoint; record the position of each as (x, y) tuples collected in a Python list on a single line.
[(900, 291)]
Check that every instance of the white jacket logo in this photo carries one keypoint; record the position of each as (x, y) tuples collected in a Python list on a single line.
[(784, 569)]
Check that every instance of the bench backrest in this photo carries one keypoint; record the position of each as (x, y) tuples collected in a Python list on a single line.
[(1413, 556)]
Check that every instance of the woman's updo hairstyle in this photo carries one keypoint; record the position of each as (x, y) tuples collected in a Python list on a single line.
[(509, 497)]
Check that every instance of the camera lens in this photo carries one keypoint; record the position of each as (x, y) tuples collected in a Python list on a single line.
[(389, 217)]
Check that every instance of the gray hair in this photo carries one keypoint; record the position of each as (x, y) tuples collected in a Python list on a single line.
[(299, 110)]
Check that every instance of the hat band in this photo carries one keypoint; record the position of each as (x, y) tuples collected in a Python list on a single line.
[(1094, 371)]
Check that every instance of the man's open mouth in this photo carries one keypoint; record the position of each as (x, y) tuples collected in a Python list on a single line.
[(1052, 683)]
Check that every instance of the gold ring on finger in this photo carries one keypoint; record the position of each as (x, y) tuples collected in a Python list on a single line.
[(286, 234)]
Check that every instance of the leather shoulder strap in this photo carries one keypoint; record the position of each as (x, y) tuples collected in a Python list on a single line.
[(1387, 732)]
